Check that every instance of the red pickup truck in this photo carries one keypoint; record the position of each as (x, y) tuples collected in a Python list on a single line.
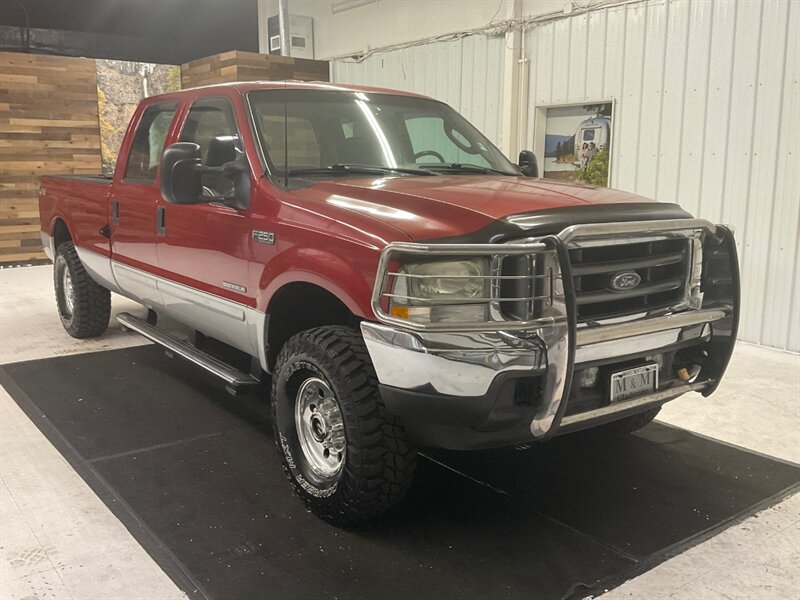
[(401, 282)]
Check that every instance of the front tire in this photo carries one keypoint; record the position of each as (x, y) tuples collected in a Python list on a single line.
[(83, 305), (345, 456)]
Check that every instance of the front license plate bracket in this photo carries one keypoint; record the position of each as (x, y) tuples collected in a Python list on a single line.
[(633, 382)]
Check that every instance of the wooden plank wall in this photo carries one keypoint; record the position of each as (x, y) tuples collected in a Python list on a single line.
[(250, 66), (48, 125)]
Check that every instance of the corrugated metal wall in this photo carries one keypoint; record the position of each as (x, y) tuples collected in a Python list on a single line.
[(465, 73), (707, 114)]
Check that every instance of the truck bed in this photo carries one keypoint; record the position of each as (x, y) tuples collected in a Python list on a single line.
[(65, 197), (98, 179)]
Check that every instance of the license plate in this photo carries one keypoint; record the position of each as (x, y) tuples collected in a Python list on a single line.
[(631, 383)]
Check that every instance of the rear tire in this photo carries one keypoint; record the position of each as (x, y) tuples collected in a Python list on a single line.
[(632, 423), (83, 305), (345, 456)]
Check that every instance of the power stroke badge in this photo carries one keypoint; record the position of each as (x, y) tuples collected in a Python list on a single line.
[(235, 287)]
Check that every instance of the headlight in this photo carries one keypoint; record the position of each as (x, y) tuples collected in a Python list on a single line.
[(453, 290)]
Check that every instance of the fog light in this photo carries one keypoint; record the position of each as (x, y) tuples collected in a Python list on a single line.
[(588, 377)]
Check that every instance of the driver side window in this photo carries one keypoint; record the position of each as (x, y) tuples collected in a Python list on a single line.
[(211, 118), (207, 119), (429, 144)]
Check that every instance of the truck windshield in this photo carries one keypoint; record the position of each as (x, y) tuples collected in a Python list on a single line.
[(336, 134)]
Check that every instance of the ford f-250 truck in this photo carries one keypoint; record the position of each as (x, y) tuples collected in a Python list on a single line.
[(401, 281)]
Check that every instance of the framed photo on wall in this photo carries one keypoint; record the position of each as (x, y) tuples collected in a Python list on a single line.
[(574, 141)]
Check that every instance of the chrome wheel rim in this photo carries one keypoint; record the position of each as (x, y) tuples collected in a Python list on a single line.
[(69, 292), (320, 427)]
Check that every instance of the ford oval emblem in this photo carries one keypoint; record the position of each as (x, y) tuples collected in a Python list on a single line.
[(625, 281)]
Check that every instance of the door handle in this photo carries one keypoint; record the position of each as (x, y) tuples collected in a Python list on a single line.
[(161, 221), (115, 212)]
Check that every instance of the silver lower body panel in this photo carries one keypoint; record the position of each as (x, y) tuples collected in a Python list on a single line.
[(99, 268), (235, 324), (47, 245)]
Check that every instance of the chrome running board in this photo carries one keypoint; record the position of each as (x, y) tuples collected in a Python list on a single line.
[(235, 380)]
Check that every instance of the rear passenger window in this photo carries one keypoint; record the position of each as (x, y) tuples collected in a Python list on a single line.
[(148, 142)]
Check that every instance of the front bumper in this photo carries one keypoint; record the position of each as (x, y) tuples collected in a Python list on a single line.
[(470, 389)]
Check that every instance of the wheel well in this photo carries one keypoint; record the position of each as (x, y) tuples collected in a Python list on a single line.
[(300, 306), (60, 233)]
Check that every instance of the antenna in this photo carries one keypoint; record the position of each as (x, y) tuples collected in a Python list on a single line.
[(285, 136)]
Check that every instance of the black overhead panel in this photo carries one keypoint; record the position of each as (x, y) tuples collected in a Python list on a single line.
[(164, 31)]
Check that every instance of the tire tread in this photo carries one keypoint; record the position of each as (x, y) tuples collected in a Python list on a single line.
[(92, 309), (382, 460)]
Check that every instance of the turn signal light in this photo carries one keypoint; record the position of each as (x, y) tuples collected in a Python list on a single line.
[(401, 312)]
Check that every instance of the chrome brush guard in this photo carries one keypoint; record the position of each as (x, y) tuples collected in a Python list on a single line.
[(464, 358)]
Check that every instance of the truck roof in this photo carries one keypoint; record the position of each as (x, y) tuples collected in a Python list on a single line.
[(249, 86)]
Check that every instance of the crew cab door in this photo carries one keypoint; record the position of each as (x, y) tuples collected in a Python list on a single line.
[(203, 249), (133, 203)]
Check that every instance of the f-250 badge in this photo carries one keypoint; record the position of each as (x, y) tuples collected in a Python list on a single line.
[(263, 237)]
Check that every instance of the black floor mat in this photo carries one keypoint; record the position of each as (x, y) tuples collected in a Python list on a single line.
[(194, 475)]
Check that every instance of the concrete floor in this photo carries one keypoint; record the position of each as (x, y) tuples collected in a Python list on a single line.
[(58, 540)]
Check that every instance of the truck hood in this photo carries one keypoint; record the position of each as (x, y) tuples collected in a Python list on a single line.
[(429, 208)]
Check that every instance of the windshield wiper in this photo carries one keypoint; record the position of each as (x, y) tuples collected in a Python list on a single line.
[(347, 168), (468, 167)]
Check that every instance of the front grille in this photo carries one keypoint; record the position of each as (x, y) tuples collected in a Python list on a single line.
[(662, 265)]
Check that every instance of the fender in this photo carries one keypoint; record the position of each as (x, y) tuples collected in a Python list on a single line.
[(350, 284), (96, 261), (59, 216), (83, 211)]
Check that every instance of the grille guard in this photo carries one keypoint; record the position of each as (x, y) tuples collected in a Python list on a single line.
[(557, 326), (575, 236)]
